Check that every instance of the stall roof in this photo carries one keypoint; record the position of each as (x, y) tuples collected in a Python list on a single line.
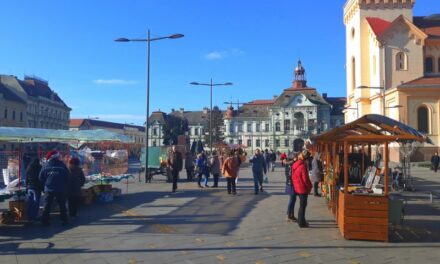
[(26, 135), (373, 128)]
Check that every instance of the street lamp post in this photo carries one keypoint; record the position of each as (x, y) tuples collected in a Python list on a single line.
[(148, 40), (210, 111)]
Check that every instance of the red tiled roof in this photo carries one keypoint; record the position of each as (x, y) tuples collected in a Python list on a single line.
[(261, 102), (76, 122), (423, 81), (378, 25)]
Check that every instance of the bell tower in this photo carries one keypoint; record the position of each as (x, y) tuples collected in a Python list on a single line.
[(300, 80)]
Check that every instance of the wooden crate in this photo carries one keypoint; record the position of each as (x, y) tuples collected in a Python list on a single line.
[(363, 217)]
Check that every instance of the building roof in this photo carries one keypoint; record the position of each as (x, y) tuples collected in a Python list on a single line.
[(425, 81), (157, 116), (193, 117), (378, 25), (38, 88), (338, 104), (310, 93), (10, 95), (75, 123), (429, 24), (261, 102)]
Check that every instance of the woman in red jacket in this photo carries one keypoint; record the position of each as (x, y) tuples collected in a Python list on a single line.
[(302, 185)]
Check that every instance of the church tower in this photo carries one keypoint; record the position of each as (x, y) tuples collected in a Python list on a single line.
[(365, 57)]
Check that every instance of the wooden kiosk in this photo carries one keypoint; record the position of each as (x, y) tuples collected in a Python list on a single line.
[(363, 216)]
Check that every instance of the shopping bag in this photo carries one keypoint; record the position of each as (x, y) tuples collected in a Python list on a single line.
[(266, 179)]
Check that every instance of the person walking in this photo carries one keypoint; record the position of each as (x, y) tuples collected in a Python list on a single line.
[(317, 173), (273, 159), (290, 190), (34, 189), (55, 177), (175, 163), (302, 185), (202, 169), (189, 166), (259, 168), (215, 168), (435, 160), (229, 170), (76, 181)]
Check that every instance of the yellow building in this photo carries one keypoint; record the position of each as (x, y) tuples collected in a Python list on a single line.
[(393, 65)]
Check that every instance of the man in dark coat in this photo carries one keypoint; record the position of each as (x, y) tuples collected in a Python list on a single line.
[(435, 160), (175, 163), (55, 178)]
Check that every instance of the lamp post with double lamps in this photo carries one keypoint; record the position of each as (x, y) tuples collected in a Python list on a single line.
[(148, 40), (211, 84)]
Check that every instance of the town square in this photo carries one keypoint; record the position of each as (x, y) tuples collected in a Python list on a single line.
[(220, 131)]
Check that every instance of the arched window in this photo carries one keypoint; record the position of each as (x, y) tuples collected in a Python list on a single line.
[(353, 73), (401, 61), (277, 127), (429, 65), (423, 119)]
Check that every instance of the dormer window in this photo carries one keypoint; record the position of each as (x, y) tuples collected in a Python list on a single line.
[(401, 61)]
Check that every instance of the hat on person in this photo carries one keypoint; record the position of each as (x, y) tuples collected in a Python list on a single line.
[(52, 154)]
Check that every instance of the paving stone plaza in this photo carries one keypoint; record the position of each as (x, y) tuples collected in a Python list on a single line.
[(149, 224)]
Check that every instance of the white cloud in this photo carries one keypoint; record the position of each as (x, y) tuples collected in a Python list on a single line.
[(115, 82), (222, 54)]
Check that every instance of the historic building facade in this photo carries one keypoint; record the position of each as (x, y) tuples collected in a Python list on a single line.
[(43, 107), (285, 122), (393, 64)]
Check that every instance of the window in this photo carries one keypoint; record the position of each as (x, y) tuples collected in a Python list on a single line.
[(154, 131), (249, 127), (240, 141), (266, 143), (249, 143), (13, 115), (21, 116), (240, 127), (257, 127), (286, 125), (266, 127), (401, 61), (277, 143), (258, 143), (423, 119), (277, 127), (231, 141), (353, 32), (429, 65), (154, 143), (196, 131), (353, 73), (231, 128), (374, 65), (286, 142), (6, 114), (438, 65)]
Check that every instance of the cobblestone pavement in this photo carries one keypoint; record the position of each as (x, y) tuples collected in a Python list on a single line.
[(149, 224)]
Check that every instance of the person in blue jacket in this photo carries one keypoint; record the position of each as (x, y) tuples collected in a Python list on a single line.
[(259, 168), (55, 178)]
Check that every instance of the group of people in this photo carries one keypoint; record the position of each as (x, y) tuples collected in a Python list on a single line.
[(299, 184), (57, 181), (226, 164)]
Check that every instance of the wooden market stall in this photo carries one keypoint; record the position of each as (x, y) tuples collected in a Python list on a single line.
[(361, 212)]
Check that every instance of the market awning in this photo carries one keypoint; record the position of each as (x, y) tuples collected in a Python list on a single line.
[(28, 135), (373, 127)]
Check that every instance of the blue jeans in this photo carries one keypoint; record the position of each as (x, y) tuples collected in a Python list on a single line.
[(206, 178), (291, 205), (33, 205), (258, 180)]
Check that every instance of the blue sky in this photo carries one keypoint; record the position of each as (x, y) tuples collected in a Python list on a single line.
[(253, 43)]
